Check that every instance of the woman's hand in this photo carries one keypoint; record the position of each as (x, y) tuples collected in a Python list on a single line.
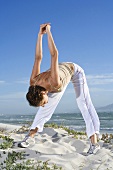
[(43, 28), (48, 28)]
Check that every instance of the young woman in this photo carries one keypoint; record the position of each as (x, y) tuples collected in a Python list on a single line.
[(47, 88)]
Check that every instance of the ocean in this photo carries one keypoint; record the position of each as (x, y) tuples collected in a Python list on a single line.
[(71, 120)]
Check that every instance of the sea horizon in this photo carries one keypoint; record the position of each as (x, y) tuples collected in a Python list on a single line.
[(72, 120)]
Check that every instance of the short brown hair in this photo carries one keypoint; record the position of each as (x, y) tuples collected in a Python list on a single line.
[(34, 95)]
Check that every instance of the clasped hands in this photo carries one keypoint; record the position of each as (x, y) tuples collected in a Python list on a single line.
[(44, 28)]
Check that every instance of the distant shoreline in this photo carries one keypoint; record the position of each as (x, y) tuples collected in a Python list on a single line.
[(72, 120)]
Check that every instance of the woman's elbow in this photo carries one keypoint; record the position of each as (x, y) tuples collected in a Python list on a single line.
[(54, 53)]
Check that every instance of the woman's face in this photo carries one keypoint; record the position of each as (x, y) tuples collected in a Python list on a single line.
[(45, 98)]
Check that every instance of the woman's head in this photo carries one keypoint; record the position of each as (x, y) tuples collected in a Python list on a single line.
[(37, 96)]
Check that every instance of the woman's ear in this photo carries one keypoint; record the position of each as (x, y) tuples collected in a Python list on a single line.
[(44, 92)]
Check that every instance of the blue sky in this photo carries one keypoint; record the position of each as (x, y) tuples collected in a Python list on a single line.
[(83, 33)]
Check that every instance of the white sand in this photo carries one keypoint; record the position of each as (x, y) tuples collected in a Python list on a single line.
[(64, 150)]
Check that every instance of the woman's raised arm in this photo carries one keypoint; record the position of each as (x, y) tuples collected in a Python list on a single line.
[(54, 58), (38, 54)]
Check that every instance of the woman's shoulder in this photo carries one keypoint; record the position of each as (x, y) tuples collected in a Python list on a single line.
[(35, 79)]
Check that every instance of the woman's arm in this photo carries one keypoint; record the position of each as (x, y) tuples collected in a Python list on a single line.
[(54, 58), (38, 59), (38, 54)]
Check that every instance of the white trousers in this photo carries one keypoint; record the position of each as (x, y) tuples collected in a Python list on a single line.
[(83, 100)]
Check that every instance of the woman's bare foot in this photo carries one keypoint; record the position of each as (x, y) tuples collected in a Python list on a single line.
[(33, 132), (93, 139)]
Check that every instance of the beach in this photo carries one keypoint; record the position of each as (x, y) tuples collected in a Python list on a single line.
[(57, 148)]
